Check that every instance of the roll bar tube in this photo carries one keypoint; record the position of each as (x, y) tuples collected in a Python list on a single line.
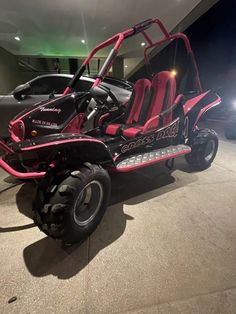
[(119, 38), (20, 175)]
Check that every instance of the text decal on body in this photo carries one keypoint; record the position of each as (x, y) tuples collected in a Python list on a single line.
[(170, 131)]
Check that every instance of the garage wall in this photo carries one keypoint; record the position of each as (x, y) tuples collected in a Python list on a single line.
[(11, 74)]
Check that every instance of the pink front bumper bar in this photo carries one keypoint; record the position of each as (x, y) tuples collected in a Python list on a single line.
[(4, 147), (12, 171), (20, 175)]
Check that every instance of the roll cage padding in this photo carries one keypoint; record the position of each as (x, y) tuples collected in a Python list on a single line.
[(107, 64), (142, 26)]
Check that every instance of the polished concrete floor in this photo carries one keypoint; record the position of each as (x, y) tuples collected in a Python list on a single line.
[(167, 244)]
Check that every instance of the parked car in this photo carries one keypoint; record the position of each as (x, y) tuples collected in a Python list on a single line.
[(52, 85), (118, 82)]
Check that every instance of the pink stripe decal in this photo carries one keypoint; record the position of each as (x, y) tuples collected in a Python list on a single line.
[(211, 105), (192, 102), (61, 142)]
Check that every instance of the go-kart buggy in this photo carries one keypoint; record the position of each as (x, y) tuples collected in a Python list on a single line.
[(49, 142)]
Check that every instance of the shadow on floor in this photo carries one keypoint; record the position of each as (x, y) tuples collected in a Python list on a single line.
[(13, 182), (25, 197), (47, 256), (16, 228)]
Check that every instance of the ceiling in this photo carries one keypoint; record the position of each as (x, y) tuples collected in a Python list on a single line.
[(56, 28)]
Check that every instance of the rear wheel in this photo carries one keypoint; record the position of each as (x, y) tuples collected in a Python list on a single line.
[(69, 206), (204, 144)]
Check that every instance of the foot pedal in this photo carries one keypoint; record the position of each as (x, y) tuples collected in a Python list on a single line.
[(152, 157)]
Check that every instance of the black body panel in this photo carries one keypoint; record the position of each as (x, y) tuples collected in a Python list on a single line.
[(194, 112), (52, 116)]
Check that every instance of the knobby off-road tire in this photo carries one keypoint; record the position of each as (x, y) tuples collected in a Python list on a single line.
[(69, 206), (204, 144)]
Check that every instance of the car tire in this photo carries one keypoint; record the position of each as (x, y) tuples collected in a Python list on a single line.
[(204, 144), (69, 206)]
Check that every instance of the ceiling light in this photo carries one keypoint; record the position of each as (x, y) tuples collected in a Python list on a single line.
[(126, 66), (82, 41), (143, 44), (17, 38)]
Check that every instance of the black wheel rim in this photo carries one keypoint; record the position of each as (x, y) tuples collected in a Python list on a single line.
[(88, 203), (210, 150)]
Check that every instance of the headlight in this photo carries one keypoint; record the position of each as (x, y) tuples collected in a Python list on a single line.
[(17, 131)]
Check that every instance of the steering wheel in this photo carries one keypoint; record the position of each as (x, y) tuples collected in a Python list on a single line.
[(102, 104), (111, 95)]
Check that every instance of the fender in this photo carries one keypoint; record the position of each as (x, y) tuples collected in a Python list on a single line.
[(195, 107), (75, 147)]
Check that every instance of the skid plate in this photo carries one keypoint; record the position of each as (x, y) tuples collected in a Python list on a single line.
[(146, 159)]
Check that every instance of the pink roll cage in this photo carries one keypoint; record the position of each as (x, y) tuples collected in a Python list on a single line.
[(118, 40)]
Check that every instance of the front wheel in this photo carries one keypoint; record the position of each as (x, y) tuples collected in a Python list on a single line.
[(69, 206), (204, 144)]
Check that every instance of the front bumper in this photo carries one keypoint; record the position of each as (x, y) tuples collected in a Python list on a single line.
[(13, 172), (4, 147)]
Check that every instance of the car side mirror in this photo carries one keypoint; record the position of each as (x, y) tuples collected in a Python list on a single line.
[(52, 94), (98, 93), (20, 91)]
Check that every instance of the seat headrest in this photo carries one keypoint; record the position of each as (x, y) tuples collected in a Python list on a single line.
[(163, 77), (142, 84)]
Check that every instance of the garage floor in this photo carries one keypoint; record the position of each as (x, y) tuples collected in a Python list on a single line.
[(167, 244)]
